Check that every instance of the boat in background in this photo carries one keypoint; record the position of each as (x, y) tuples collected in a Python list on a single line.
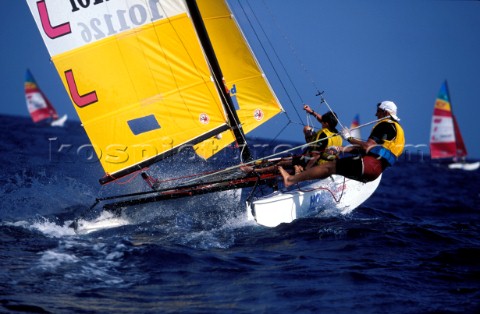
[(355, 127), (446, 141), (39, 107)]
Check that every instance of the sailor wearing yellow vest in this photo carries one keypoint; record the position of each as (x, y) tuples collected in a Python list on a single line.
[(316, 153), (382, 149), (327, 136)]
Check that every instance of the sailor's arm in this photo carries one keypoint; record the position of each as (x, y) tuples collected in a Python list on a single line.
[(358, 144), (313, 113)]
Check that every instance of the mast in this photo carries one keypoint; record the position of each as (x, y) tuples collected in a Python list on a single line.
[(227, 102)]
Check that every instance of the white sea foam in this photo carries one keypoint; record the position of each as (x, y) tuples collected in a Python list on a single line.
[(106, 220), (52, 229), (48, 228), (52, 259)]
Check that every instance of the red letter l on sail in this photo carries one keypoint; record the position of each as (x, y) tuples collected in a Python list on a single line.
[(51, 31), (79, 100)]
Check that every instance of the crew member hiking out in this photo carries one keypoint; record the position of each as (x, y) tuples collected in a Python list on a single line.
[(370, 158)]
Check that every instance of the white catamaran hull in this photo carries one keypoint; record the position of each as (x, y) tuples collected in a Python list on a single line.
[(60, 122), (336, 194), (465, 166)]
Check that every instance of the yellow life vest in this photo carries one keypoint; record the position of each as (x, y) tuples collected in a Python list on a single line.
[(333, 139), (390, 150)]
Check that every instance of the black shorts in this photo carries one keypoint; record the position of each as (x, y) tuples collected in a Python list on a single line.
[(350, 167)]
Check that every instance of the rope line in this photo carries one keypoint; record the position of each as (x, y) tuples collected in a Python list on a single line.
[(323, 100), (327, 189)]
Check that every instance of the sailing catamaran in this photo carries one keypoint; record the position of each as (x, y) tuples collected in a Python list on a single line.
[(38, 105), (446, 141), (148, 78)]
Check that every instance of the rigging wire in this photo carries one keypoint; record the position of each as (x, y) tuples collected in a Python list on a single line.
[(281, 64), (292, 49), (302, 65), (272, 65), (323, 100), (247, 16)]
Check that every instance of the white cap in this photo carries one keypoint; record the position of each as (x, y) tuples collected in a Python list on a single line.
[(391, 108)]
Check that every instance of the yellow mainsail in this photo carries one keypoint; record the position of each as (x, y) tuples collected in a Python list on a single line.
[(138, 78)]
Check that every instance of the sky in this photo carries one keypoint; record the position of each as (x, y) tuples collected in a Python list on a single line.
[(357, 53)]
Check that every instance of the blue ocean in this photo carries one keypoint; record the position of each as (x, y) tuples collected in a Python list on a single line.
[(413, 247)]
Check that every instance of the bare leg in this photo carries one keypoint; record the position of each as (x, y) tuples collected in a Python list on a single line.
[(248, 169), (312, 162), (316, 172)]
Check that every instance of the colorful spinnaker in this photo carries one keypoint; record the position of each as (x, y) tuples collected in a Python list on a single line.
[(144, 81)]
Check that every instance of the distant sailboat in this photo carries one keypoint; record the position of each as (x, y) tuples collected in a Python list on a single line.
[(355, 127), (39, 107), (446, 142)]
